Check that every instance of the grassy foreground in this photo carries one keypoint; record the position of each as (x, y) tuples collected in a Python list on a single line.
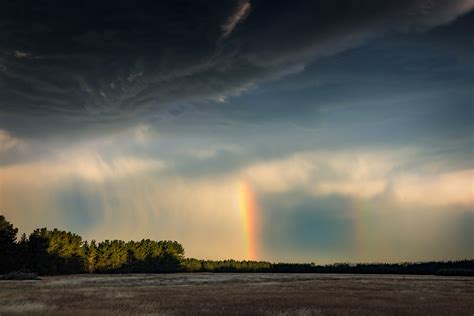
[(244, 294)]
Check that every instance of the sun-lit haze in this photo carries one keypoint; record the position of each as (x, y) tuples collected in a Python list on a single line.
[(263, 130)]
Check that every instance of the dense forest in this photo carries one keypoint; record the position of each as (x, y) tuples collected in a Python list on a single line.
[(52, 252)]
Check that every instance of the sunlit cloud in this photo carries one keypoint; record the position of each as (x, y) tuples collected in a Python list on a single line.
[(213, 151), (364, 188), (240, 14), (364, 174), (83, 165), (326, 173), (452, 188), (143, 133), (280, 175), (7, 141)]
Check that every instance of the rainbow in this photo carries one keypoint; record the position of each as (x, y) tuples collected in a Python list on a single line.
[(362, 230), (248, 211)]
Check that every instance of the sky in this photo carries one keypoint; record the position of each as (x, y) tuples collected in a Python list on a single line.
[(287, 131)]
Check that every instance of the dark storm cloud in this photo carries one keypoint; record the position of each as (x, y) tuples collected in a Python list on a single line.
[(91, 62)]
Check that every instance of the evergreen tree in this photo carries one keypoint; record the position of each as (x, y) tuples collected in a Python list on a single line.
[(90, 256), (8, 246), (55, 252)]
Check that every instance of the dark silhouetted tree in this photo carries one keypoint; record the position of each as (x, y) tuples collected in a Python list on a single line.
[(55, 252), (8, 246), (90, 256)]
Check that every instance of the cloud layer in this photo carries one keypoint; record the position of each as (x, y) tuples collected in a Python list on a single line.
[(115, 61), (103, 195), (351, 122)]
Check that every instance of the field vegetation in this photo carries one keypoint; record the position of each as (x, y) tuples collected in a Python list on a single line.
[(238, 294)]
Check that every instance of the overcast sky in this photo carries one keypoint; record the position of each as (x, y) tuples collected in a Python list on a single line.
[(351, 122)]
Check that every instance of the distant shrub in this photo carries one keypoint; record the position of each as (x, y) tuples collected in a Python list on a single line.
[(18, 276), (455, 272)]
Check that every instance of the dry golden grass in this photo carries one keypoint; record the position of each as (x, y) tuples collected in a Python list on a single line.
[(243, 294)]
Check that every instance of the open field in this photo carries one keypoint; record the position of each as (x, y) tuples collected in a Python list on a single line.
[(265, 294)]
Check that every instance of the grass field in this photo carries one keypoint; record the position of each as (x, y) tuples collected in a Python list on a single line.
[(243, 294)]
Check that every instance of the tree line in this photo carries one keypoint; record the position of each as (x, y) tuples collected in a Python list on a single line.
[(52, 252)]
